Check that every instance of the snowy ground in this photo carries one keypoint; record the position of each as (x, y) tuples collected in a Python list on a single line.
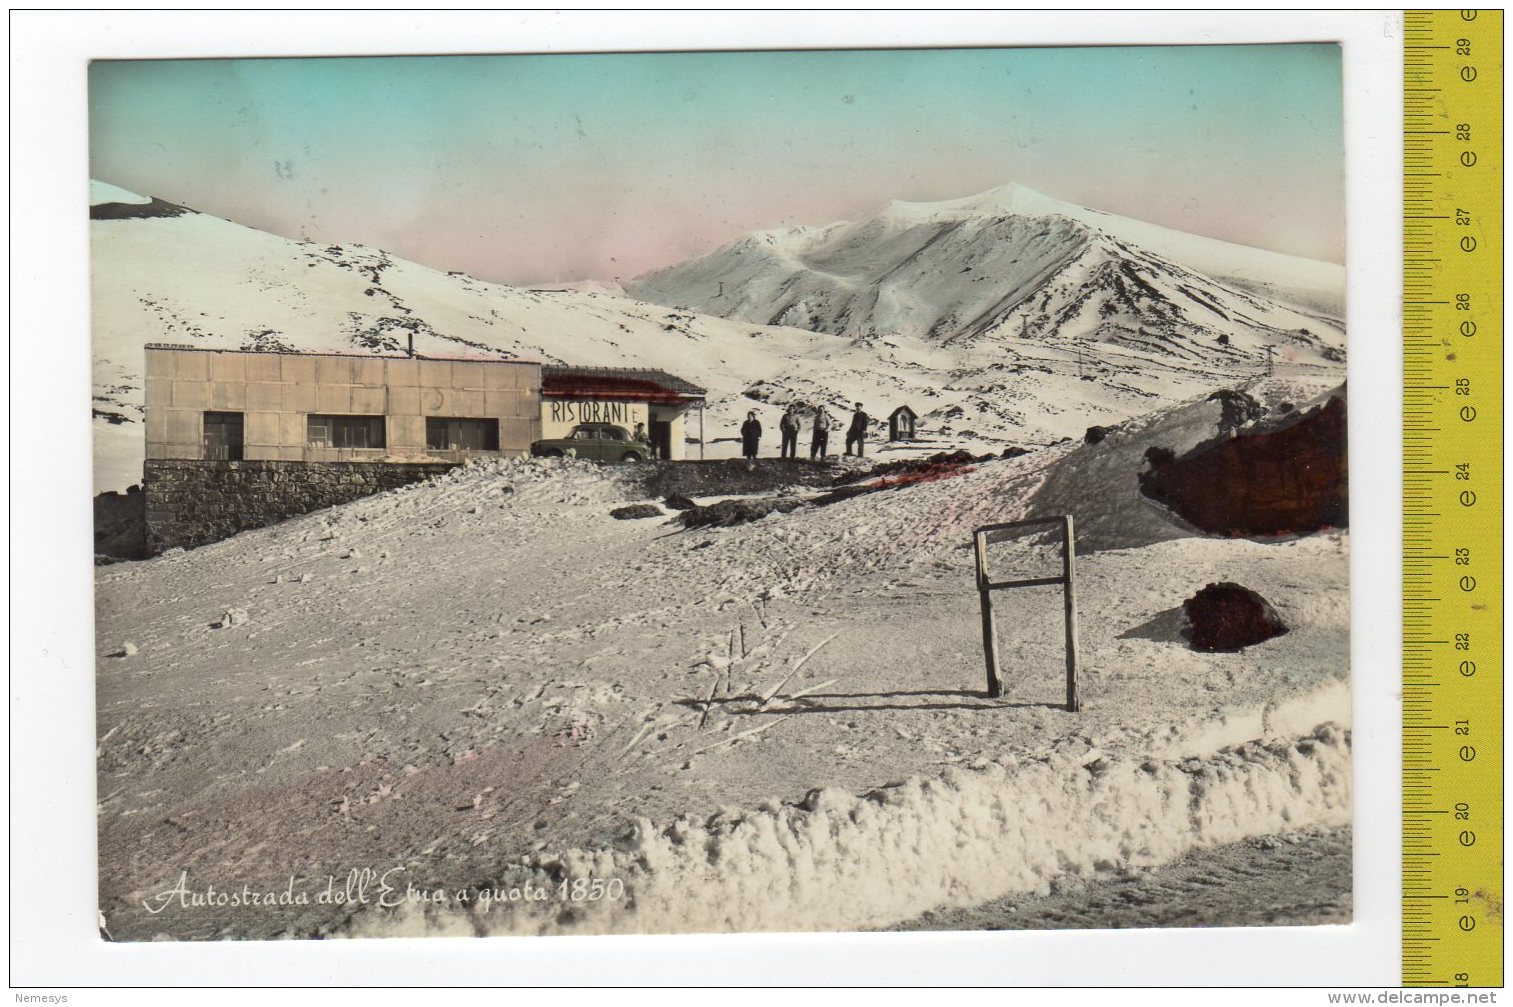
[(488, 683)]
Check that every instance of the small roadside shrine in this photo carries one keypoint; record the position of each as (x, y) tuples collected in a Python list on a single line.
[(901, 424)]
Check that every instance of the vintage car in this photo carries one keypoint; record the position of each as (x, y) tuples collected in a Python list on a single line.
[(600, 442)]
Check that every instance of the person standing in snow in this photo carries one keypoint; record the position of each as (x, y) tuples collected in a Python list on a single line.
[(819, 441), (858, 433), (789, 427), (751, 433)]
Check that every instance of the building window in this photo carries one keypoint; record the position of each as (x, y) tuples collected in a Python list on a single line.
[(346, 432), (223, 437), (445, 433)]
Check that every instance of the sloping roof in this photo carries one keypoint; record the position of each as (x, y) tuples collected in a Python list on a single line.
[(617, 383), (903, 409)]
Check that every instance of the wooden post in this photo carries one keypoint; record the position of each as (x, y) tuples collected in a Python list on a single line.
[(989, 648), (1069, 595), (989, 629), (701, 430), (986, 585)]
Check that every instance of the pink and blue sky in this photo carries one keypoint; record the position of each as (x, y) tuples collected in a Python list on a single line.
[(536, 169)]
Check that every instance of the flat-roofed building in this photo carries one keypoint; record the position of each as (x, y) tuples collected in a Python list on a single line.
[(226, 405), (239, 440)]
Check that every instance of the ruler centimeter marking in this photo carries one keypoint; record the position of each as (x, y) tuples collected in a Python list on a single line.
[(1452, 772)]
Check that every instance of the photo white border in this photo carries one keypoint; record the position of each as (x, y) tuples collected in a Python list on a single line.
[(52, 846)]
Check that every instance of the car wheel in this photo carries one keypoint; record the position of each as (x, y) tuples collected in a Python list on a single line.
[(631, 456), (552, 453)]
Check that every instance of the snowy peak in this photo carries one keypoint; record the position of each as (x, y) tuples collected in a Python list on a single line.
[(1316, 283), (1010, 262), (1007, 200)]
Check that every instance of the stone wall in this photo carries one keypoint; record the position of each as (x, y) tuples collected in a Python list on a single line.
[(192, 503)]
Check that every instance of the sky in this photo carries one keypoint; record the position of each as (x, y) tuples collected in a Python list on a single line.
[(548, 168)]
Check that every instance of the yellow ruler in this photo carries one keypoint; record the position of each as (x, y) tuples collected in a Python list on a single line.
[(1452, 498)]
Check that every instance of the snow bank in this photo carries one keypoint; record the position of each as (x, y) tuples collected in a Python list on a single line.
[(838, 861), (1286, 717)]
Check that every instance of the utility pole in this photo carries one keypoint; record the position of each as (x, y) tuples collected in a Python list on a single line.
[(1270, 368)]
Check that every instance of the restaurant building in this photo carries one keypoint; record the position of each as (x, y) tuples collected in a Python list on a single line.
[(660, 402)]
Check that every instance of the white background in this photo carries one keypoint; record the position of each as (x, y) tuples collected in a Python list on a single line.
[(52, 854)]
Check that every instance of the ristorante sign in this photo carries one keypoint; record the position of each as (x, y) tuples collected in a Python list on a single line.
[(568, 411)]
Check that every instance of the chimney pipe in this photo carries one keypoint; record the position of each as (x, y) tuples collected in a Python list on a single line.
[(412, 344)]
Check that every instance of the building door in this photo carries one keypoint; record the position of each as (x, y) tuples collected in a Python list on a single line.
[(660, 435), (223, 437)]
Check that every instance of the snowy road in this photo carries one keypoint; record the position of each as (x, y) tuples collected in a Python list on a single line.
[(1296, 879)]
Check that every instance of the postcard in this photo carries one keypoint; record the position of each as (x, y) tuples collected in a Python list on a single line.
[(721, 490)]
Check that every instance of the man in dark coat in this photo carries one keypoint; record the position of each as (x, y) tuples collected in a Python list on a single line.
[(789, 427), (857, 434), (751, 433)]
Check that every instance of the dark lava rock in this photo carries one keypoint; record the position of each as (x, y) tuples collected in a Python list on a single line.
[(121, 525), (892, 475), (633, 511), (1288, 480), (1014, 452), (1230, 617), (734, 512), (937, 462), (677, 501), (1095, 434), (126, 211), (843, 493), (1236, 408), (1156, 456), (727, 476)]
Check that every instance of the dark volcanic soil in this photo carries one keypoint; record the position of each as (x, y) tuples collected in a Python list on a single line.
[(730, 476)]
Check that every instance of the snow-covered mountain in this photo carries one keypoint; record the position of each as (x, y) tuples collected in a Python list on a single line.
[(1013, 263), (164, 273)]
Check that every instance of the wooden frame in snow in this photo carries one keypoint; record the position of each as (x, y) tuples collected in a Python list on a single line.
[(1068, 581)]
